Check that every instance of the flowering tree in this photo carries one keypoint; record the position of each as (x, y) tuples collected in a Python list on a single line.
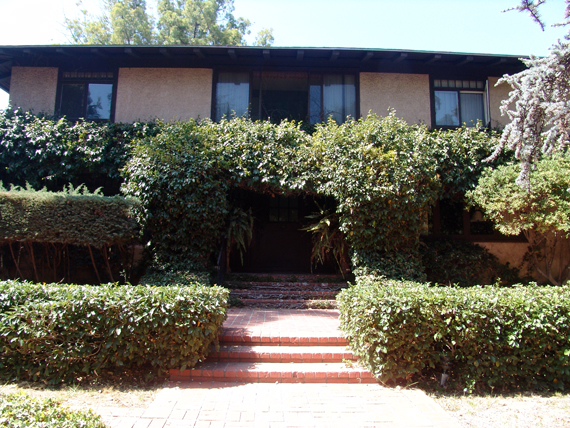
[(540, 119)]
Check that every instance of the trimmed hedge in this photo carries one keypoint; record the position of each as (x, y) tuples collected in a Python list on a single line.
[(73, 216), (20, 410), (493, 337), (62, 332)]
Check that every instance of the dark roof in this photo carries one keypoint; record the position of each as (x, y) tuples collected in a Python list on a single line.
[(83, 57)]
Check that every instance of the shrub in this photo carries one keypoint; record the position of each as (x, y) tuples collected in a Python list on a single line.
[(540, 210), (63, 332), (494, 337), (22, 411), (455, 262)]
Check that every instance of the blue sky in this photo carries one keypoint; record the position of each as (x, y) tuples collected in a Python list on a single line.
[(475, 26)]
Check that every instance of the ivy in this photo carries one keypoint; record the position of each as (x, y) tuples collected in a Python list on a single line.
[(382, 175)]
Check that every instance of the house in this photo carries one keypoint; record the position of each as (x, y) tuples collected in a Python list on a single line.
[(131, 83)]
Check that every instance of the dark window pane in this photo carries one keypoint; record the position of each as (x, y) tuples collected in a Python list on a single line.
[(294, 214), (232, 94), (471, 108), (99, 97), (451, 217), (446, 108), (284, 95), (72, 100), (315, 104), (349, 96), (274, 214)]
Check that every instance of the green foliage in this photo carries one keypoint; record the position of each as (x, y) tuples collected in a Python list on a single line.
[(393, 265), (459, 156), (381, 173), (72, 216), (59, 333), (179, 278), (183, 176), (178, 22), (45, 152), (543, 206), (239, 230), (328, 240), (540, 210), (22, 411), (493, 337), (455, 262)]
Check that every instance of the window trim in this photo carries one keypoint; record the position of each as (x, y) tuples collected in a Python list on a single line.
[(307, 70), (87, 80)]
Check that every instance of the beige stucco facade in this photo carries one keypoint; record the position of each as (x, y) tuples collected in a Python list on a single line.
[(163, 93), (408, 94), (496, 95), (34, 88)]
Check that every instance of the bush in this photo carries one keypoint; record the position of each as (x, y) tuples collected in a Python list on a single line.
[(72, 216), (493, 337), (455, 262), (20, 410), (64, 332), (540, 210)]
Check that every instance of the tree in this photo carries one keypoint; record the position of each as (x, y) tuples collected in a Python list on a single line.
[(540, 211), (178, 22), (540, 120)]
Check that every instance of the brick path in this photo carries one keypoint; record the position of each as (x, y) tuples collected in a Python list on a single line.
[(236, 404)]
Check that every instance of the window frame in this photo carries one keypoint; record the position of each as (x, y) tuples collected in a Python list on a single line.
[(484, 91), (86, 80), (309, 71)]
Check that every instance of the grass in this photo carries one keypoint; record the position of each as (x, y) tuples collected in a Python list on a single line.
[(517, 410)]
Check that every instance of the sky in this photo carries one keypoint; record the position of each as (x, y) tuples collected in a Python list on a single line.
[(471, 26)]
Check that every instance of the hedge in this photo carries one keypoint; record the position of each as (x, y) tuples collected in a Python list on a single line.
[(19, 410), (72, 216), (58, 333), (492, 337)]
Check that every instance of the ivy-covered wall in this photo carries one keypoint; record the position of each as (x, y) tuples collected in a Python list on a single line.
[(382, 173)]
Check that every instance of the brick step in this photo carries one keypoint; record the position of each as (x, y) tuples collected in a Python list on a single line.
[(292, 286), (273, 372), (284, 277), (281, 354), (289, 304), (282, 294), (236, 336)]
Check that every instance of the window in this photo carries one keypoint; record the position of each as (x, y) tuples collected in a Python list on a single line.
[(86, 95), (459, 101), (276, 95), (449, 218)]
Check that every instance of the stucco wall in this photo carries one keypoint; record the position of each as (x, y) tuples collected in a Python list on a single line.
[(496, 95), (408, 94), (34, 88), (163, 93)]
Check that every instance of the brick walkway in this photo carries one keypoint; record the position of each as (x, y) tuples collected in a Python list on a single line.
[(235, 404)]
